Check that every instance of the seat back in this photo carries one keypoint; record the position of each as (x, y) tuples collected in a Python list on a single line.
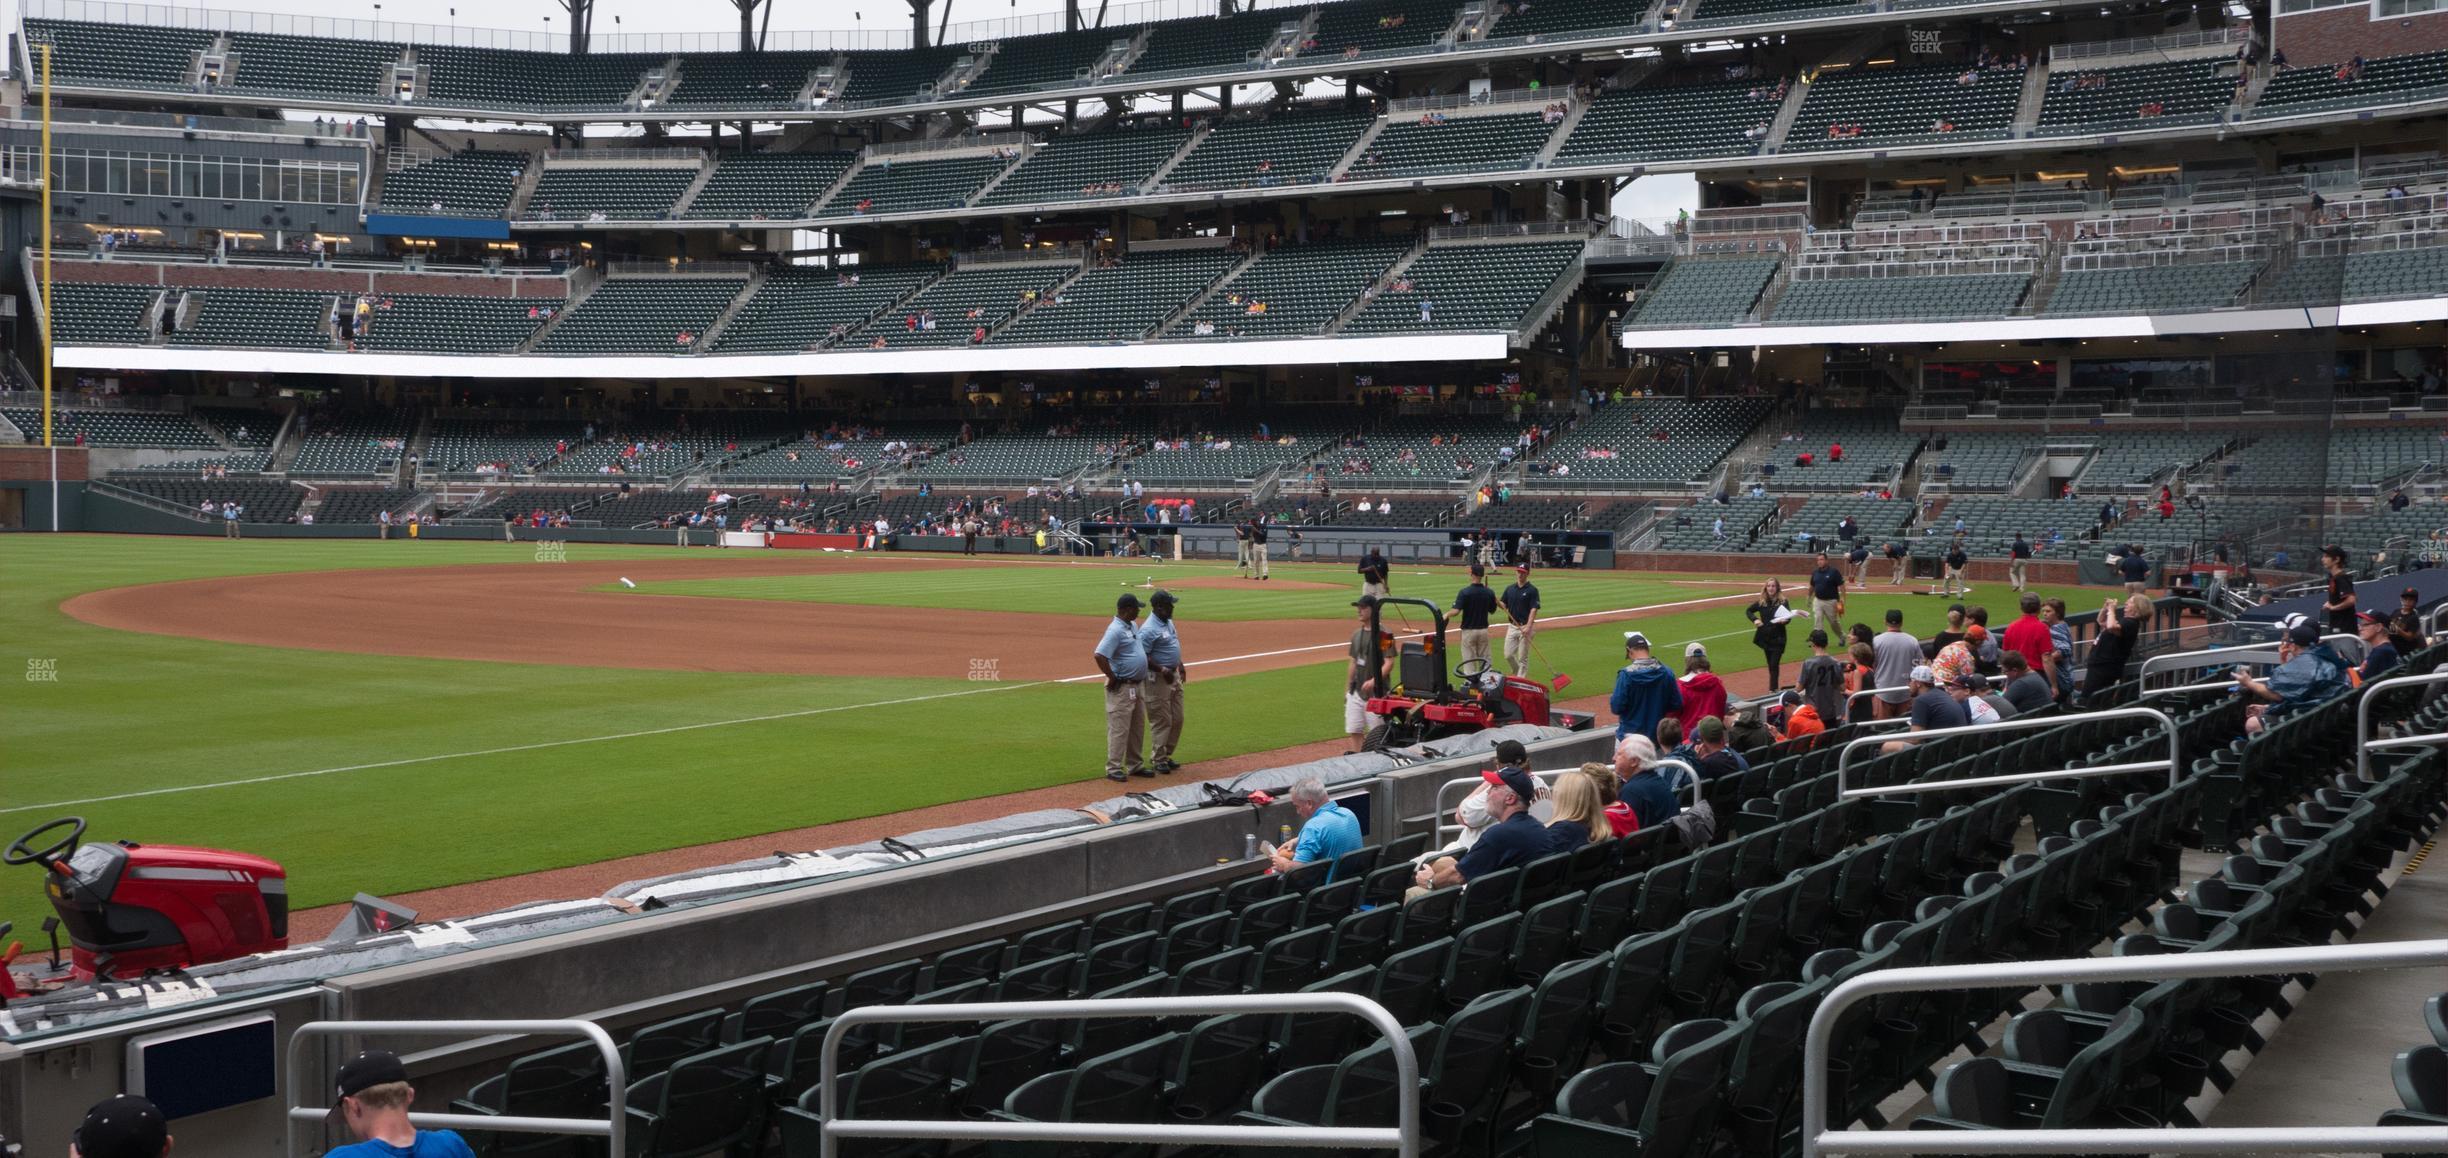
[(1223, 1062), (1482, 955), (707, 1101), (654, 1048), (1407, 982), (780, 1014)]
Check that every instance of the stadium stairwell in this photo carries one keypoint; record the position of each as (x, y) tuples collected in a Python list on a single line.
[(1360, 302), (688, 196), (1351, 156), (1197, 137), (1190, 307), (2035, 91), (1575, 109), (1783, 124), (577, 297), (722, 321)]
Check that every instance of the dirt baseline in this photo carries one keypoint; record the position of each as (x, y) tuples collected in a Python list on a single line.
[(553, 615)]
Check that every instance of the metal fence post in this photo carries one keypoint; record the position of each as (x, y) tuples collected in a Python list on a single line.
[(1403, 1137), (614, 1129)]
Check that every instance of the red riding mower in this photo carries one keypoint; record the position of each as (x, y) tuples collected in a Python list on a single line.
[(1423, 705), (132, 908)]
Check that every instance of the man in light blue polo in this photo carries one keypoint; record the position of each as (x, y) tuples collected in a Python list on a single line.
[(1124, 661), (1328, 830), (1165, 674)]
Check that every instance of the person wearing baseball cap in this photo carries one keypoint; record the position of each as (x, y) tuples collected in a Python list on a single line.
[(1165, 675), (2308, 673), (374, 1096), (1515, 838), (1930, 709), (2406, 626), (1473, 605), (1646, 690), (123, 1126), (2380, 654), (1123, 659)]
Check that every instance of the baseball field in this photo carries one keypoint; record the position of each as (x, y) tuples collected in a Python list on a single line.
[(388, 717)]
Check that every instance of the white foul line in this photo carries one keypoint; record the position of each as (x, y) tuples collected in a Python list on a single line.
[(543, 744)]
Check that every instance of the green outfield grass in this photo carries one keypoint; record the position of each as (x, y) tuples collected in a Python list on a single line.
[(386, 774)]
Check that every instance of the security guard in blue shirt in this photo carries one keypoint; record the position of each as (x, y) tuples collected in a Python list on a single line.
[(1165, 675)]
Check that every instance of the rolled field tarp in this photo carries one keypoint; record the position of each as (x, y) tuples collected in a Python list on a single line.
[(302, 963)]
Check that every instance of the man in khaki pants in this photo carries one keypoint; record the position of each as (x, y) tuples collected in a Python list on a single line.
[(1258, 548), (1166, 673), (1124, 661), (1521, 604), (1476, 603)]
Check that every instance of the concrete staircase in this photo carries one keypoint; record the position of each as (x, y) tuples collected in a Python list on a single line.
[(688, 196), (1351, 156), (1190, 307), (1048, 295), (1555, 141), (979, 197), (529, 177), (705, 341), (1198, 137), (1783, 124), (577, 298), (1392, 274), (2035, 91)]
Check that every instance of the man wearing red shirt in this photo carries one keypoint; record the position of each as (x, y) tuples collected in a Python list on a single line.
[(2028, 635)]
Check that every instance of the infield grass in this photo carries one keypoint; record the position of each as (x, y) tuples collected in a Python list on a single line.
[(387, 774)]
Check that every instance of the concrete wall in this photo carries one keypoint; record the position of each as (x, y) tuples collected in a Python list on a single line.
[(660, 965)]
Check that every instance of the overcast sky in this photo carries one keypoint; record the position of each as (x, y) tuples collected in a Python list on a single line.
[(1650, 199)]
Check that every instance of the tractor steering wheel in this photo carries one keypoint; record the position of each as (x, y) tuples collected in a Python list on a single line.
[(19, 852), (1469, 671)]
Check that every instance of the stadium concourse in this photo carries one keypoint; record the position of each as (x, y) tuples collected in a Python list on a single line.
[(648, 531)]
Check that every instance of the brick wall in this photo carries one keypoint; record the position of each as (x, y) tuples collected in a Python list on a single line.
[(33, 463), (2332, 36)]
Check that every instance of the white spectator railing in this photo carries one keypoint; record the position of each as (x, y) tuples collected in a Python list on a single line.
[(2173, 765), (613, 1127), (1779, 218), (679, 269), (1819, 1141), (2365, 743), (1631, 247), (1514, 229), (2148, 45), (1403, 1137), (1491, 99), (617, 155), (549, 39), (1050, 255), (918, 146), (1915, 267)]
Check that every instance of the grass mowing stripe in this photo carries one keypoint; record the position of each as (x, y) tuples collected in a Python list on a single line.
[(134, 712)]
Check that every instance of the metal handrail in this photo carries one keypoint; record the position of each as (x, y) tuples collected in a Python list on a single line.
[(614, 1128), (1403, 1137), (1446, 803), (2174, 762), (1818, 1140), (2363, 747), (2261, 652)]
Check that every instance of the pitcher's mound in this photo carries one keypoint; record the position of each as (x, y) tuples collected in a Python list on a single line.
[(1236, 583)]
